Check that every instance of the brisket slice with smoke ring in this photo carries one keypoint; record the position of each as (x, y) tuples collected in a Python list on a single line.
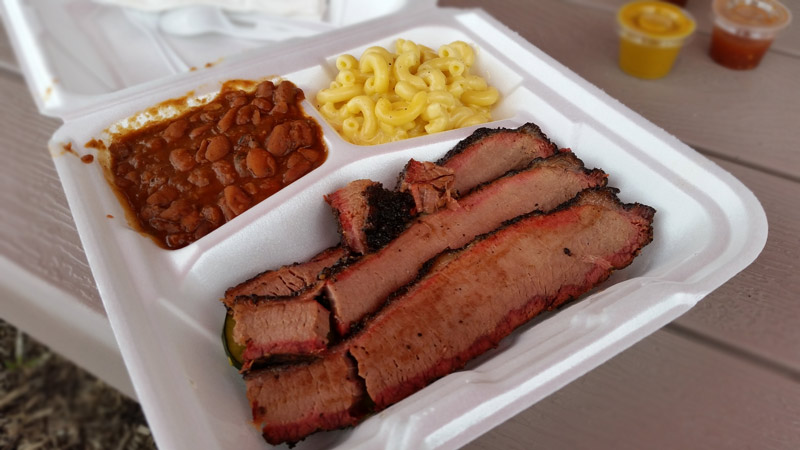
[(361, 287), (287, 280), (507, 149), (276, 327), (488, 153), (291, 402), (368, 215), (466, 302)]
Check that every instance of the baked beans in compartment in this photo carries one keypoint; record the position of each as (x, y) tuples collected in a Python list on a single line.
[(184, 177)]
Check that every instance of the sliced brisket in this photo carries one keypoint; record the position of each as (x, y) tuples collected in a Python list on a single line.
[(489, 153), (287, 280), (362, 286), (269, 327), (291, 402), (467, 303)]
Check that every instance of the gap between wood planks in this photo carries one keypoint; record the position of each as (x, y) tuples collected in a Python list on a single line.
[(728, 158), (732, 350)]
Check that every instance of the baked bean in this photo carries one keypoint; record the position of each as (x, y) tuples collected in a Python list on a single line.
[(181, 159), (240, 164), (244, 115), (227, 212), (236, 98), (212, 214), (202, 230), (296, 172), (236, 199), (200, 177), (227, 120), (190, 221), (262, 104), (154, 177), (261, 163), (211, 116), (187, 176), (164, 225), (175, 130), (149, 211), (181, 184), (297, 167), (250, 188), (279, 143), (200, 156), (225, 172), (176, 210), (285, 92), (163, 196), (300, 133), (279, 108), (246, 141), (199, 131), (218, 147), (309, 153), (265, 89)]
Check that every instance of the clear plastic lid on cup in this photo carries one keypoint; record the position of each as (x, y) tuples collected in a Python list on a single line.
[(744, 30), (651, 36)]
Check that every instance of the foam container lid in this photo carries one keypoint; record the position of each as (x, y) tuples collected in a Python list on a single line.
[(163, 305), (75, 53)]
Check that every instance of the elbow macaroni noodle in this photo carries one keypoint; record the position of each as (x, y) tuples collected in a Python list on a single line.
[(384, 97)]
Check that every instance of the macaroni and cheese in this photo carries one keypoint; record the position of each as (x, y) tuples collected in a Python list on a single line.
[(385, 97)]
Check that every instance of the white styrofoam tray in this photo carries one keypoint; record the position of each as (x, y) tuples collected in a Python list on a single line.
[(163, 305)]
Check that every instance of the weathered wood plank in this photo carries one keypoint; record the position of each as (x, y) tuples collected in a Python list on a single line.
[(36, 228), (665, 392), (747, 116), (758, 310), (8, 59)]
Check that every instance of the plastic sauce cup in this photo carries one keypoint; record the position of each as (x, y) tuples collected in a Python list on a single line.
[(651, 36), (744, 30)]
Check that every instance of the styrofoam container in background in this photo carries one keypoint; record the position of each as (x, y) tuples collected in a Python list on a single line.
[(163, 305)]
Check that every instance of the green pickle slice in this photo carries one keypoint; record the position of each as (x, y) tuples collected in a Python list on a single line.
[(232, 350)]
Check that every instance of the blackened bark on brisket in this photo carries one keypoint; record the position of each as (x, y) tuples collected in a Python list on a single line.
[(368, 215), (489, 153), (287, 280), (389, 214)]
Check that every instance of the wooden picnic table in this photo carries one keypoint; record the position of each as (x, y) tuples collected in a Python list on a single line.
[(724, 375)]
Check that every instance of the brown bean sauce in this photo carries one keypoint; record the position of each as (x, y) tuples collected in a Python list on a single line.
[(185, 177)]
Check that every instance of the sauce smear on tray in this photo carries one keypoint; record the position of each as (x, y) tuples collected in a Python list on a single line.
[(184, 177)]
